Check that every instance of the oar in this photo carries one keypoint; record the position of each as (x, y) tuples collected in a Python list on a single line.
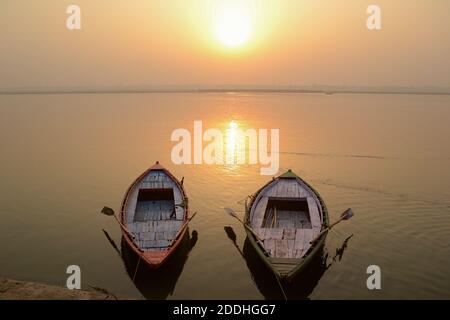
[(110, 212), (232, 213), (346, 215)]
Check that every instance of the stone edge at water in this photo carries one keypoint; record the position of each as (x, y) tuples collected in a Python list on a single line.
[(21, 290)]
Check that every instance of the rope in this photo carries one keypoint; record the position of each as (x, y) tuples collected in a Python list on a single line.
[(137, 266), (281, 287)]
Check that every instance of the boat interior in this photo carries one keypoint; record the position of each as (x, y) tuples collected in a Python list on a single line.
[(155, 211), (155, 204), (287, 213)]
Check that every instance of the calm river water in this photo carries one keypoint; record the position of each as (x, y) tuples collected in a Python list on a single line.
[(63, 157)]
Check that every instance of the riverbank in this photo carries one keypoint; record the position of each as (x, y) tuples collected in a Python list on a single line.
[(22, 290)]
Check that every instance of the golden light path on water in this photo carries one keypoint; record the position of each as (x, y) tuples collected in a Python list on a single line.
[(234, 152), (235, 147)]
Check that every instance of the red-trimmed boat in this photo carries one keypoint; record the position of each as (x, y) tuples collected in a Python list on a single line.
[(155, 215)]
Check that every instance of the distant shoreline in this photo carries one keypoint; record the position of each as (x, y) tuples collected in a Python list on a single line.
[(228, 90)]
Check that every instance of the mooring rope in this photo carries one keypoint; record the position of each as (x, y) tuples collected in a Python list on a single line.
[(281, 287), (137, 266)]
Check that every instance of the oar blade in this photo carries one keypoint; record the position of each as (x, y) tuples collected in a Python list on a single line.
[(107, 211), (348, 214)]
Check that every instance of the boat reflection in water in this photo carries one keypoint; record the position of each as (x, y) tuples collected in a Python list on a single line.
[(160, 283), (299, 287)]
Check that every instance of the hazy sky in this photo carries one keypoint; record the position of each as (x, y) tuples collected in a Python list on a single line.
[(161, 42)]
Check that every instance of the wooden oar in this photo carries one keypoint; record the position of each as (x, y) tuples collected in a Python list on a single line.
[(113, 244), (232, 213), (346, 215), (110, 212)]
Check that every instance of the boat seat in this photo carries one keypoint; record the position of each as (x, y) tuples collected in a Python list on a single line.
[(155, 234)]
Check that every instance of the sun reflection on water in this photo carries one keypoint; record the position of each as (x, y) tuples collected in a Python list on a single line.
[(235, 146)]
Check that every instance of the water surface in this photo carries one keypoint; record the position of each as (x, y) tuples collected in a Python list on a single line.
[(63, 157)]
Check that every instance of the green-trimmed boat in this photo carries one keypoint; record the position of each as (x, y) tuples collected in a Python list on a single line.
[(287, 222)]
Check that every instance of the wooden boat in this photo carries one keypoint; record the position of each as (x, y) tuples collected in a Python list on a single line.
[(154, 215), (285, 215)]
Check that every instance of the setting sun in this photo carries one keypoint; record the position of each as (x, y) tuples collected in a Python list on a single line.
[(233, 23)]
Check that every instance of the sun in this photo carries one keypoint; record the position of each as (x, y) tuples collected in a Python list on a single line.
[(233, 23)]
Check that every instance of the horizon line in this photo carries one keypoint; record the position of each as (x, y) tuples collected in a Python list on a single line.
[(293, 89)]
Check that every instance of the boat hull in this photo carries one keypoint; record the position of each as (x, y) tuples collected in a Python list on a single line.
[(287, 269), (155, 259)]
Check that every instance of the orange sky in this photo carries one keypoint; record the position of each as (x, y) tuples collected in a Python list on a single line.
[(151, 42)]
